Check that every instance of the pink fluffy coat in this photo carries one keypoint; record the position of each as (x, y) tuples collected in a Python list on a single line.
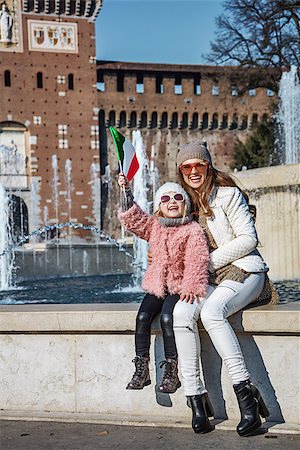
[(179, 254)]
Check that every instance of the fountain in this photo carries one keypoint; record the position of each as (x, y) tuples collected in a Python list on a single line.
[(288, 117), (6, 261)]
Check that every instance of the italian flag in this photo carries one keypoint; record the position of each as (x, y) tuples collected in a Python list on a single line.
[(126, 154)]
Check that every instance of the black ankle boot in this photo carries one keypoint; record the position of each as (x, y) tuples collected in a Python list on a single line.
[(141, 376), (251, 407), (202, 409)]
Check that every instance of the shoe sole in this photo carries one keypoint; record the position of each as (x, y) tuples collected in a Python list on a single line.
[(169, 392), (251, 430), (133, 388)]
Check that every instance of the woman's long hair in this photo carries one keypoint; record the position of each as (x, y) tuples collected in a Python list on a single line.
[(214, 178)]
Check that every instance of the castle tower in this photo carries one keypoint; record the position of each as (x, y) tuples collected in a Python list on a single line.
[(49, 134)]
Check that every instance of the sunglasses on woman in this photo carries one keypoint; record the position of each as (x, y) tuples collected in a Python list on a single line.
[(177, 197), (186, 169)]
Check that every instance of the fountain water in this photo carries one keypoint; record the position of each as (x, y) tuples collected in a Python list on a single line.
[(140, 191), (7, 260), (288, 117)]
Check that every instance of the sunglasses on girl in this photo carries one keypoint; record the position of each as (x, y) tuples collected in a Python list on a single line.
[(177, 197), (186, 169)]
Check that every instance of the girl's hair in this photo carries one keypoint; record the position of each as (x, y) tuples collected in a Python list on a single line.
[(214, 178)]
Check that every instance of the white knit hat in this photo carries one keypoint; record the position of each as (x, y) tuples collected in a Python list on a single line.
[(171, 187)]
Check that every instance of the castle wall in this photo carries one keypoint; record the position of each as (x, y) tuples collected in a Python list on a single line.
[(175, 104)]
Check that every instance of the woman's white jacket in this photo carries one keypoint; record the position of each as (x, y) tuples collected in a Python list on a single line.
[(233, 229)]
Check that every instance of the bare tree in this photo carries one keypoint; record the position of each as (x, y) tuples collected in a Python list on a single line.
[(258, 33)]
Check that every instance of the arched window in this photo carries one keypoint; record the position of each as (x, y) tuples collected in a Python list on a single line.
[(154, 120), (224, 124), (164, 120), (254, 119), (214, 122), (184, 121), (71, 82), (143, 120), (122, 122), (174, 121), (194, 122), (205, 121), (39, 80), (7, 78), (132, 119), (112, 119), (234, 122)]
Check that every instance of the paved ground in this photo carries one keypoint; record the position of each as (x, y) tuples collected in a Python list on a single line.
[(19, 435)]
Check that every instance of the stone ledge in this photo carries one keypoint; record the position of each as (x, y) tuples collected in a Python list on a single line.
[(120, 318), (134, 420)]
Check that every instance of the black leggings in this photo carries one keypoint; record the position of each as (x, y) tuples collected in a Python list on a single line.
[(149, 308)]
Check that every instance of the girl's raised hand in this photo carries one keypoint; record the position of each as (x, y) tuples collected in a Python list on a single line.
[(123, 181)]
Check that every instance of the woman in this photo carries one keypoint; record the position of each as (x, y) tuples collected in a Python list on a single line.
[(237, 278)]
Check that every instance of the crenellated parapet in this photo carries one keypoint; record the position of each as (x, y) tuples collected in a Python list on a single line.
[(76, 8)]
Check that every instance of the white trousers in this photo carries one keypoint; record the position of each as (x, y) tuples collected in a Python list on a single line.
[(220, 302)]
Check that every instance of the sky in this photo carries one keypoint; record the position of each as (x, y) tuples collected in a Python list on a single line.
[(157, 31)]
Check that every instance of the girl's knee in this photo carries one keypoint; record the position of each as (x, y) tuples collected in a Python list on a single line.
[(166, 321)]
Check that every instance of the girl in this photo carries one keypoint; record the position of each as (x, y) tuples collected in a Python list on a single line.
[(237, 278), (179, 269)]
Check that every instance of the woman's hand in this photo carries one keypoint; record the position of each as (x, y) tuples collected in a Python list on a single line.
[(189, 298), (123, 181)]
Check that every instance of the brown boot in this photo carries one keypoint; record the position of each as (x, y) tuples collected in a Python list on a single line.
[(170, 382), (141, 376)]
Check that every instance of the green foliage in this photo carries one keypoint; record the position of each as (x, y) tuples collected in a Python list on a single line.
[(258, 150)]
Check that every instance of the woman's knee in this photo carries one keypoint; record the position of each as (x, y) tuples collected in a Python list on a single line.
[(211, 313), (184, 316)]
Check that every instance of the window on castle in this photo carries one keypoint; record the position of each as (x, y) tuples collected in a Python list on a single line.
[(120, 82), (62, 129), (112, 119), (39, 80), (204, 121), (7, 78), (122, 122), (174, 121), (194, 124), (252, 92), (159, 85), (164, 120), (37, 120), (197, 85), (95, 145), (254, 119), (63, 143), (94, 130), (61, 79), (215, 90), (154, 119), (133, 119), (101, 83), (139, 84), (178, 85), (215, 122), (234, 91), (270, 93), (143, 120), (184, 121), (71, 82)]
